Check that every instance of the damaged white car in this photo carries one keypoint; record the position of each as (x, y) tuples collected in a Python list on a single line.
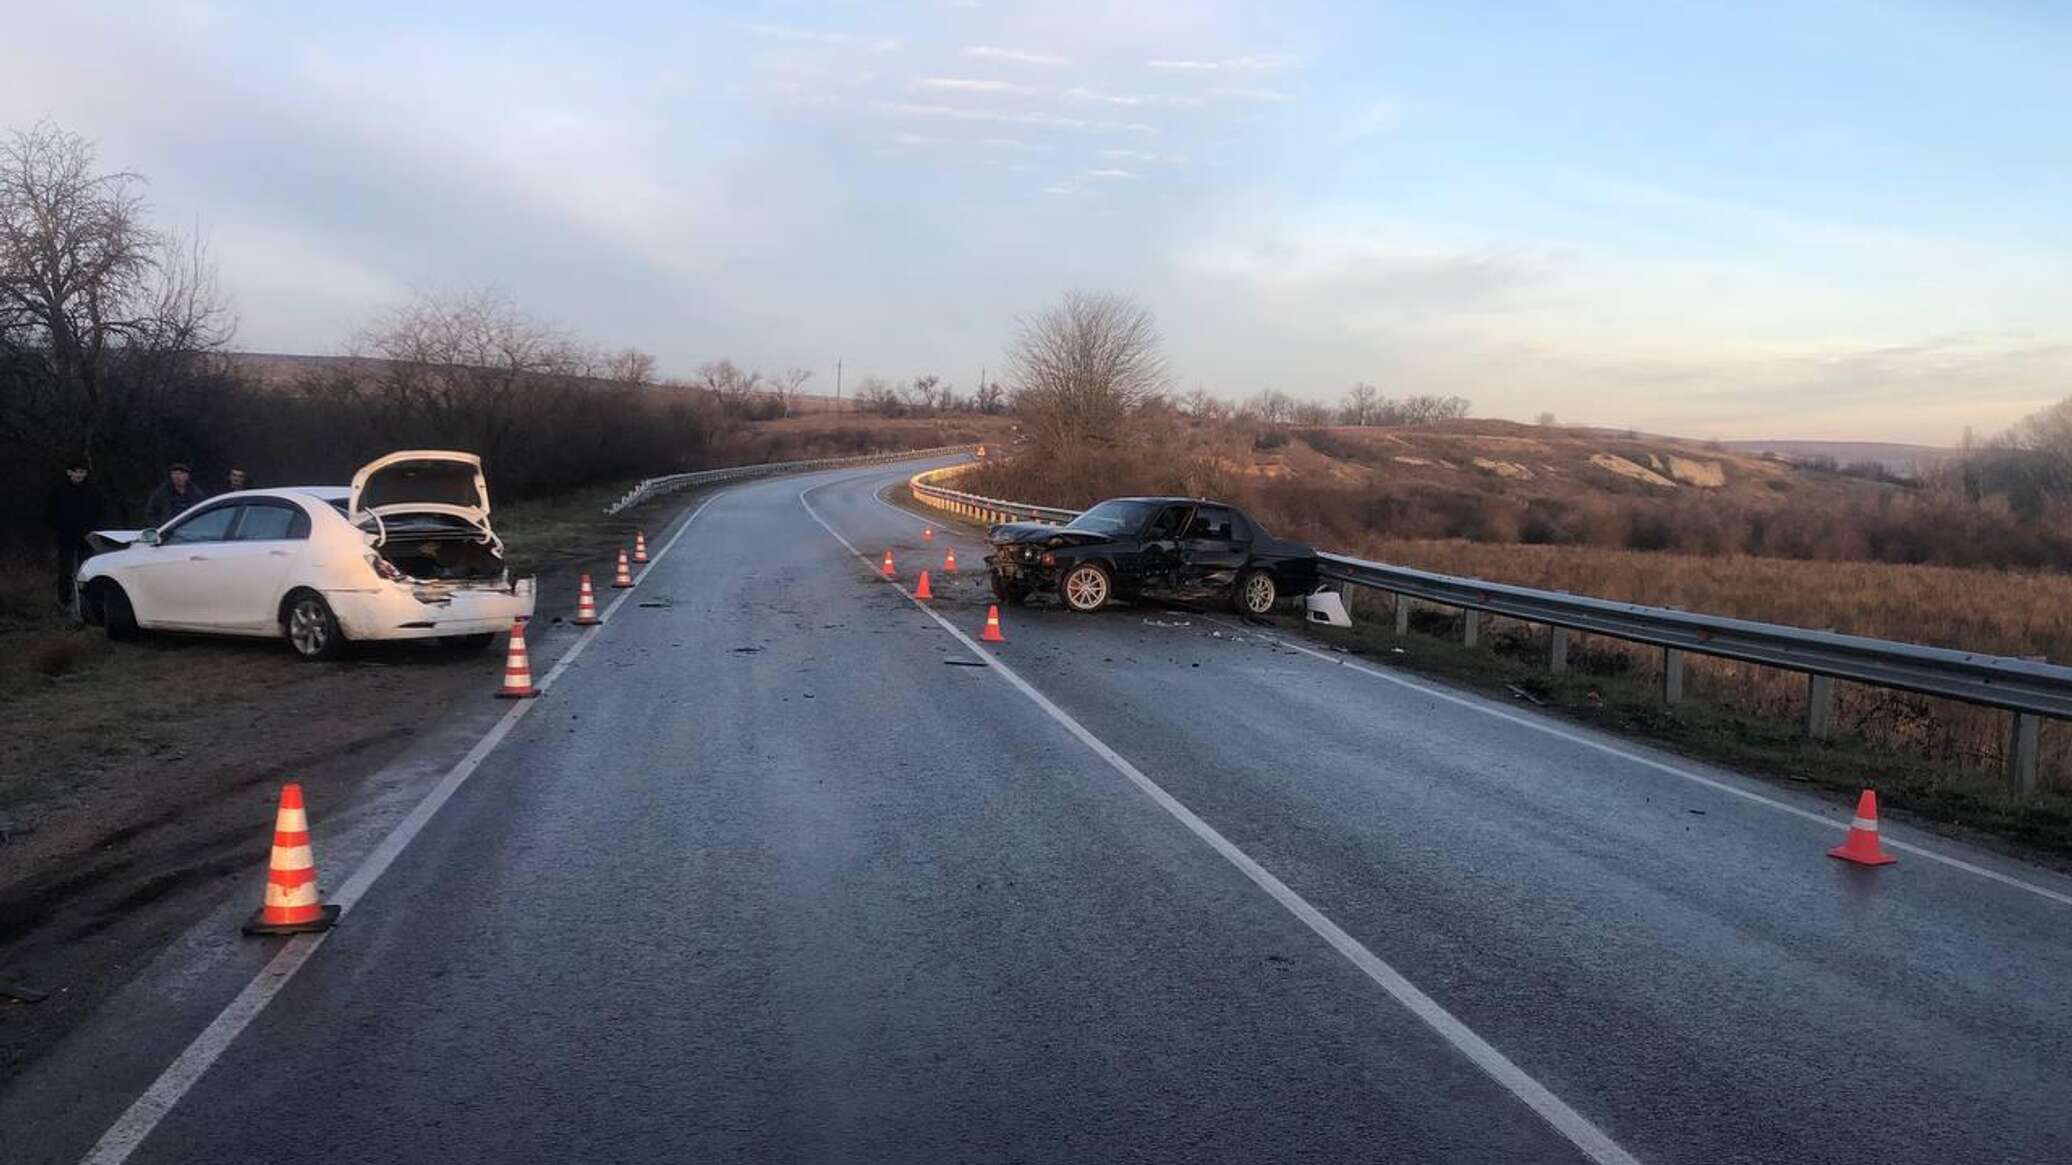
[(405, 552)]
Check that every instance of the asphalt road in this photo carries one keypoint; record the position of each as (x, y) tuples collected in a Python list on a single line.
[(770, 874)]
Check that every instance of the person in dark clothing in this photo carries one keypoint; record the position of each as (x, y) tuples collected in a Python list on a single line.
[(174, 496), (73, 510), (237, 479)]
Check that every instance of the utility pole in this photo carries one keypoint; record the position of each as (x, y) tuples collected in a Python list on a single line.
[(838, 386)]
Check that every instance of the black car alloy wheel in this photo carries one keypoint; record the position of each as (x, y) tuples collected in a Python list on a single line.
[(1085, 587), (1256, 593)]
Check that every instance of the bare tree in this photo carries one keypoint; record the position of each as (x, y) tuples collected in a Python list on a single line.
[(1546, 421), (1311, 412), (990, 397), (925, 393), (465, 363), (788, 386), (1360, 402), (88, 289), (876, 394), (732, 386), (630, 366), (1083, 367), (1271, 405)]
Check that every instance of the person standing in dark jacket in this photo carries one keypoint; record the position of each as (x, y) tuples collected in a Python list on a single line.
[(73, 510), (174, 496)]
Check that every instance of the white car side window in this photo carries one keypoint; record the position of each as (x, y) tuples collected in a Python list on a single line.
[(207, 526)]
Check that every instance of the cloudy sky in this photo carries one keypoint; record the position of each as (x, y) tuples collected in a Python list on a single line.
[(1848, 219)]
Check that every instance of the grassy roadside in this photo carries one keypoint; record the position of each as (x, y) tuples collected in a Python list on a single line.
[(1603, 690)]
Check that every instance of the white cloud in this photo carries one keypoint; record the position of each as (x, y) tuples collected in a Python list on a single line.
[(1273, 95), (1052, 120), (1132, 99), (1018, 56), (1143, 156), (822, 36), (973, 85), (1112, 174), (1260, 63)]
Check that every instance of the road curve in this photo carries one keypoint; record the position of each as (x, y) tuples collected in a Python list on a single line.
[(772, 875)]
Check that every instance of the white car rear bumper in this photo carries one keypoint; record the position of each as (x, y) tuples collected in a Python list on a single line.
[(420, 611)]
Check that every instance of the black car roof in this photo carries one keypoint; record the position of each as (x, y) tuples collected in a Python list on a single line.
[(1175, 501)]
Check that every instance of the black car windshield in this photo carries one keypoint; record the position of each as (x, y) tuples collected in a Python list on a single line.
[(1113, 517)]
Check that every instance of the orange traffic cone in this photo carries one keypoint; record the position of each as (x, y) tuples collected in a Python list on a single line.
[(992, 632), (517, 668), (1862, 846), (921, 590), (886, 569), (586, 605), (928, 534), (949, 561), (624, 578), (291, 876), (639, 546), (981, 451)]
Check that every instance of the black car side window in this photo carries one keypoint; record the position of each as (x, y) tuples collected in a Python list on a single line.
[(1166, 525), (1211, 524)]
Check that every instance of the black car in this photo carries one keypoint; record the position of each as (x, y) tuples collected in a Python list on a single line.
[(1181, 547)]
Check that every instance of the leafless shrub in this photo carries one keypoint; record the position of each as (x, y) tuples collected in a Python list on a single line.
[(1082, 368)]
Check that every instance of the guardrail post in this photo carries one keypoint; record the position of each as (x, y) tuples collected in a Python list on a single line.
[(1470, 626), (1820, 706), (1672, 675), (2022, 747), (1557, 650), (1402, 614)]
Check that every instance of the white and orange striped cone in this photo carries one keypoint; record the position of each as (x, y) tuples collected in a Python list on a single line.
[(992, 632), (624, 577), (981, 451), (639, 546), (921, 589), (586, 605), (1861, 846), (928, 534), (886, 569), (517, 668), (291, 905), (949, 561)]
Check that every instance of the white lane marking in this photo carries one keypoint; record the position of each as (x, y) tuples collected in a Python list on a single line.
[(1578, 1130), (143, 1114), (1650, 762)]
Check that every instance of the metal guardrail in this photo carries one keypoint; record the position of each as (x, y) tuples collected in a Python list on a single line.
[(975, 506), (2028, 688), (655, 487)]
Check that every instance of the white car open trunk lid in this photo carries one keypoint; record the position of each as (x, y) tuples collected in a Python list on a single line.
[(421, 481)]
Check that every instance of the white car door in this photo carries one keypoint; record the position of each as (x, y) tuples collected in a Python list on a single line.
[(175, 579), (253, 564)]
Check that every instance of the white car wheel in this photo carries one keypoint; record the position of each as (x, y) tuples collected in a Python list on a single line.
[(1085, 588), (312, 628)]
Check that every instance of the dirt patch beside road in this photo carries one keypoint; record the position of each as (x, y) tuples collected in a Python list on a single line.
[(137, 780)]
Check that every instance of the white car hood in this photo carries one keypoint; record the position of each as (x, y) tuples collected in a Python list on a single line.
[(421, 481)]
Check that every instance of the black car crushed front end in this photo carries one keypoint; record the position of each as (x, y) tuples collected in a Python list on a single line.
[(1024, 557)]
